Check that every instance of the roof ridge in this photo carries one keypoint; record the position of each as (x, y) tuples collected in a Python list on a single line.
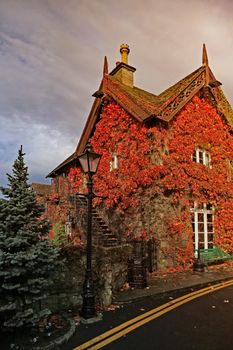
[(185, 78), (117, 95)]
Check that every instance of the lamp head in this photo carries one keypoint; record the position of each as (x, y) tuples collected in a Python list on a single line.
[(89, 160)]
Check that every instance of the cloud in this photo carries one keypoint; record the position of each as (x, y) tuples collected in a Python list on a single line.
[(44, 147)]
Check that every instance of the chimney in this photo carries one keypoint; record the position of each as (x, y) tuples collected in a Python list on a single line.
[(124, 50), (123, 72)]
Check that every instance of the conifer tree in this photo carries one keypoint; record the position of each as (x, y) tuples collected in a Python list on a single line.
[(27, 258)]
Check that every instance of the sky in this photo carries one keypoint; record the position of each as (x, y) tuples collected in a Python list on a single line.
[(51, 61)]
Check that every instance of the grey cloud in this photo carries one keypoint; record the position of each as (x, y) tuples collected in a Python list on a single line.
[(44, 147)]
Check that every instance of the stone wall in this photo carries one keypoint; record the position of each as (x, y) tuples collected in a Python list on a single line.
[(109, 274), (111, 270), (152, 214)]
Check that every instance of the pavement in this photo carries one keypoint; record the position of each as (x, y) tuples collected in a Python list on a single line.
[(175, 282)]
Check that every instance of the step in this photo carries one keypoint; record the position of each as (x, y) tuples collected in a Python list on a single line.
[(110, 243)]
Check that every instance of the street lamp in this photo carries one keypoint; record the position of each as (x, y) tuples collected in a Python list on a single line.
[(198, 265), (89, 161)]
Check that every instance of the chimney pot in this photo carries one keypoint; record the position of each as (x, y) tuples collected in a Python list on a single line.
[(124, 50)]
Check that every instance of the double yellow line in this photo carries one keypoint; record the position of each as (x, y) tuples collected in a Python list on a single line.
[(126, 327)]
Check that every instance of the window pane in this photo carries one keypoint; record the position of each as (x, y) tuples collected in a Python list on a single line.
[(113, 162), (201, 157), (207, 159), (200, 227), (201, 245), (201, 237), (200, 217), (210, 228), (209, 218)]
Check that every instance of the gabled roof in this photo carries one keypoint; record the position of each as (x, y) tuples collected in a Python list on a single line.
[(143, 105)]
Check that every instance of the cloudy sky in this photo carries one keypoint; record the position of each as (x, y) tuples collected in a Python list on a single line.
[(51, 57)]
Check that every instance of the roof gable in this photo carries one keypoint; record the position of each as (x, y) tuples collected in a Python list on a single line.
[(143, 105)]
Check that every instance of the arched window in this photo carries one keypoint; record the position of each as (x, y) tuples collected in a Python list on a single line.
[(202, 156)]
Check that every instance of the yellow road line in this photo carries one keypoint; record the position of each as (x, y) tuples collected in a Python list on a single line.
[(150, 318), (138, 321)]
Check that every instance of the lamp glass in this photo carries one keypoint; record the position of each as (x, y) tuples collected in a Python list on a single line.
[(89, 162)]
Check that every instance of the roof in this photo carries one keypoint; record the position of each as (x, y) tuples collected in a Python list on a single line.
[(41, 189), (143, 105)]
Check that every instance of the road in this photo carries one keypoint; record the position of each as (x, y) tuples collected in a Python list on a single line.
[(198, 320)]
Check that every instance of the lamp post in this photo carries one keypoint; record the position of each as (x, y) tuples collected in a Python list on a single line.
[(89, 161), (198, 265)]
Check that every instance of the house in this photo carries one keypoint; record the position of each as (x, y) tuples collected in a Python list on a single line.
[(43, 191), (166, 172)]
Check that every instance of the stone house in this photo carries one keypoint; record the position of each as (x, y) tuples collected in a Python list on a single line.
[(165, 177)]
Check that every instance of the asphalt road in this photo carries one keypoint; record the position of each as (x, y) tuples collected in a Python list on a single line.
[(190, 322)]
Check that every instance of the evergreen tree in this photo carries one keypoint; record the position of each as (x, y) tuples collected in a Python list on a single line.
[(27, 258)]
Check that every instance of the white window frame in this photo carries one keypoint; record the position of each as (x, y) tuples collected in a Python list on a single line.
[(202, 156), (205, 210), (113, 162), (229, 170), (68, 229)]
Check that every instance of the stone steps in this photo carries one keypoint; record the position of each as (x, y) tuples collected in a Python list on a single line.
[(102, 235)]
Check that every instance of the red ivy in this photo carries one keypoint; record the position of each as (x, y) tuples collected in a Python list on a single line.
[(162, 160)]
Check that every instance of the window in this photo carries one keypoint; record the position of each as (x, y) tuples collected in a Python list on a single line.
[(114, 162), (229, 170), (203, 226), (68, 229), (201, 156)]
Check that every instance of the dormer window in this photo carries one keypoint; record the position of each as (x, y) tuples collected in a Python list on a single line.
[(114, 162), (201, 156)]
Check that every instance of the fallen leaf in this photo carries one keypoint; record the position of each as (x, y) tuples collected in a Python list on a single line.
[(112, 307), (126, 286)]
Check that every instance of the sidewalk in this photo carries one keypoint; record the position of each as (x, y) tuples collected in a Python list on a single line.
[(174, 282)]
